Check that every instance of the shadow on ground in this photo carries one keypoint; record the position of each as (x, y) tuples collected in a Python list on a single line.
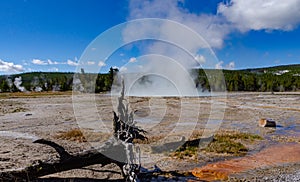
[(77, 180)]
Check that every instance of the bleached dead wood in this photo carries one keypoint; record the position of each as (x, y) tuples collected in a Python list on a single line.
[(66, 161)]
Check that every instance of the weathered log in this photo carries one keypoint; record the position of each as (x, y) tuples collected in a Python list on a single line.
[(79, 161), (126, 131), (68, 161)]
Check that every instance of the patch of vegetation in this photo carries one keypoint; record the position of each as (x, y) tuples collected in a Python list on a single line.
[(233, 135), (19, 109), (185, 152), (80, 135), (150, 139), (7, 106), (73, 135), (222, 143)]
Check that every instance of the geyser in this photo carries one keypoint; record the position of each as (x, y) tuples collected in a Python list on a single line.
[(156, 75)]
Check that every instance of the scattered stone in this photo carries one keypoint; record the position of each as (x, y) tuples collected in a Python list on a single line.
[(266, 123)]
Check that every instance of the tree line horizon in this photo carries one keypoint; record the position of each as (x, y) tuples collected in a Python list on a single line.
[(271, 79)]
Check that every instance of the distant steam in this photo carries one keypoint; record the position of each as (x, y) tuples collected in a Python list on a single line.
[(9, 82), (18, 82), (35, 84)]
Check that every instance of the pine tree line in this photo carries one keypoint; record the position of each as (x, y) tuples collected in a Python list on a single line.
[(263, 80)]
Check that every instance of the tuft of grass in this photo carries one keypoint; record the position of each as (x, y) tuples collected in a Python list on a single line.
[(83, 135), (221, 144), (9, 106), (185, 152), (234, 135), (226, 142), (73, 135), (18, 109), (150, 139)]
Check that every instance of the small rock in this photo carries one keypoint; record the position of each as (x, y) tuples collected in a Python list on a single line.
[(266, 123)]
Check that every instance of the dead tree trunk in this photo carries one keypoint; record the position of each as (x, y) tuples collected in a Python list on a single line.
[(125, 155), (65, 162), (126, 131)]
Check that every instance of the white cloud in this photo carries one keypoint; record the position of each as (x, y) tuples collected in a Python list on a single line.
[(39, 62), (219, 65), (25, 63), (42, 62), (123, 69), (235, 14), (232, 16), (200, 58), (132, 60), (52, 62), (262, 14), (211, 27), (229, 66), (101, 63), (72, 63), (91, 62), (10, 67)]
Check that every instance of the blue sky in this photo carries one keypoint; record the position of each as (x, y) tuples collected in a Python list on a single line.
[(51, 35)]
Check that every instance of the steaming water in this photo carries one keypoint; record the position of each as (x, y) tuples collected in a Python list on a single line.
[(154, 86), (157, 75), (18, 135)]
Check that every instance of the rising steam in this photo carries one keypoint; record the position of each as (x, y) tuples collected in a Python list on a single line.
[(18, 82), (156, 75)]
